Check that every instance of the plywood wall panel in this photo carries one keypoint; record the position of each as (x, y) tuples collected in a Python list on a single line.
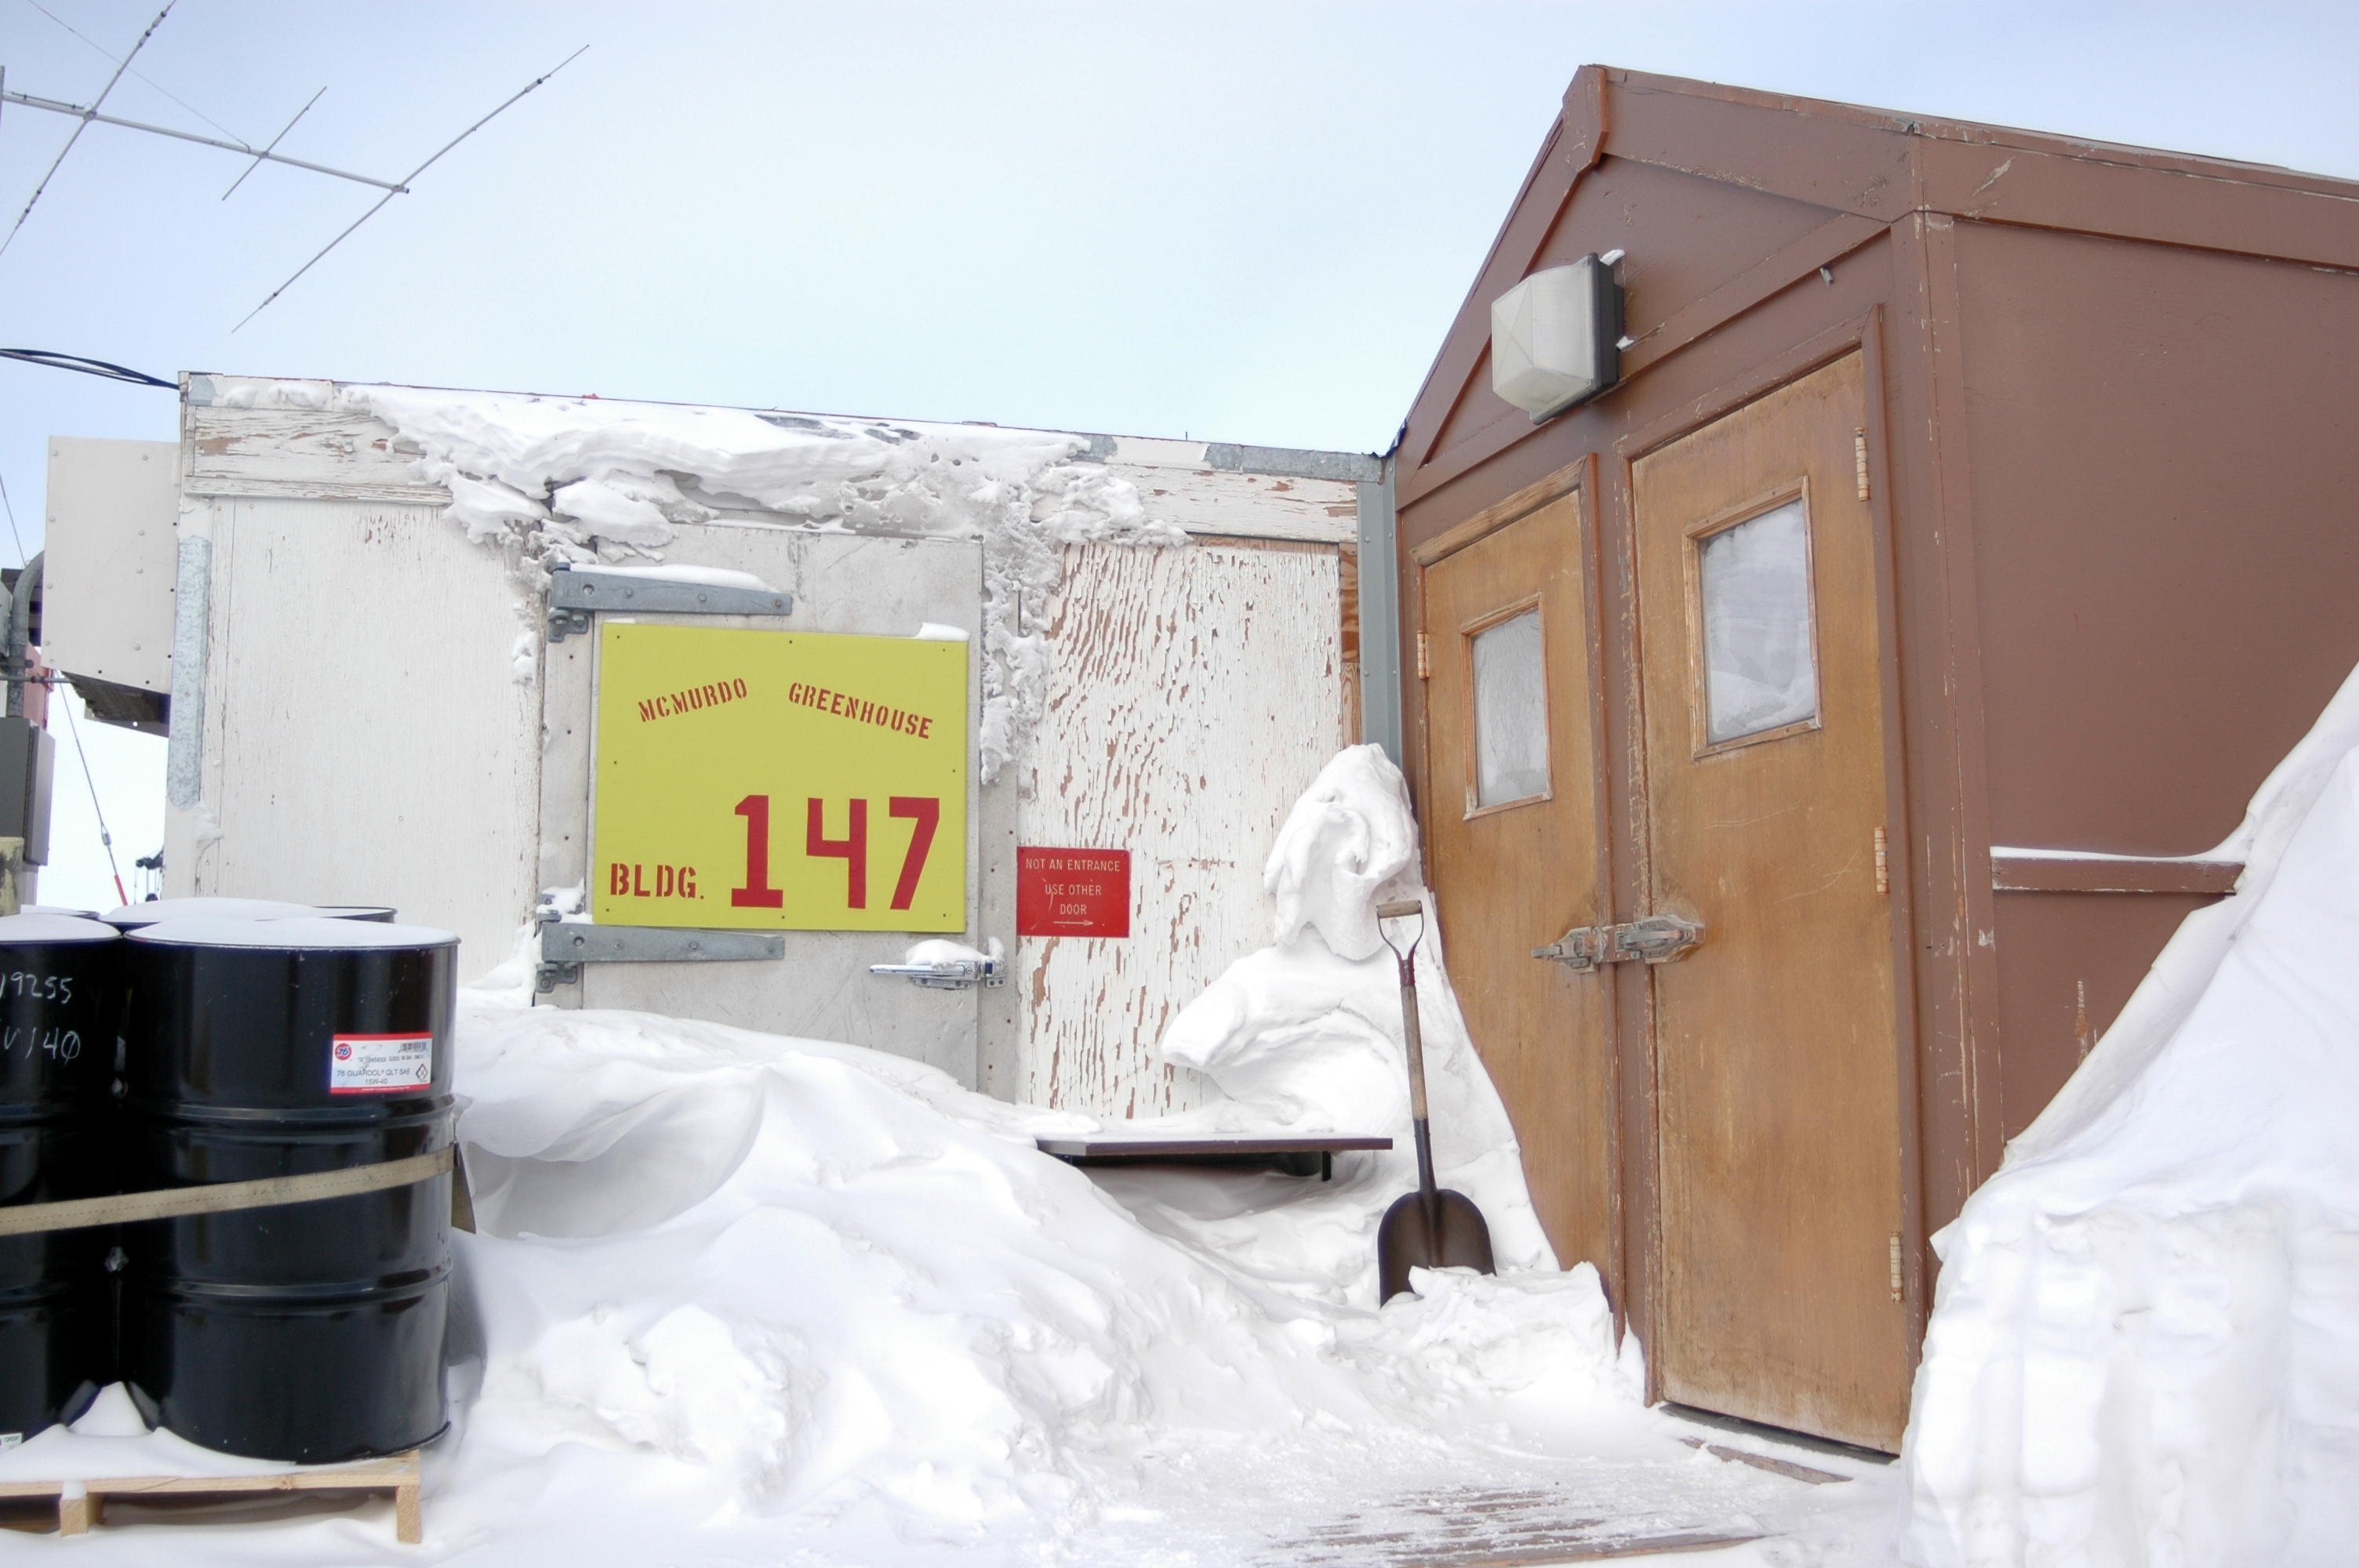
[(1195, 693)]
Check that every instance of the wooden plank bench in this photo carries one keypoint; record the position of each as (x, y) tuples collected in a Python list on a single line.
[(1297, 1154), (83, 1504)]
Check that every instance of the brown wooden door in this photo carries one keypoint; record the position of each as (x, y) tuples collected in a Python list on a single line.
[(1776, 1053), (1512, 783)]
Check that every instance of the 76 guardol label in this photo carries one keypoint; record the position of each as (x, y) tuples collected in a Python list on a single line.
[(380, 1064)]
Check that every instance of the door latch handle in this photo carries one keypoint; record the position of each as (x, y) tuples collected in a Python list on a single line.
[(1579, 949), (1655, 939), (951, 975)]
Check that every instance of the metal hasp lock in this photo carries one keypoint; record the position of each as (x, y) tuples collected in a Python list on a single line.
[(574, 594), (1656, 939), (949, 974)]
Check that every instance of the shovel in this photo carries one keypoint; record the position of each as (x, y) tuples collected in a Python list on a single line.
[(1429, 1228)]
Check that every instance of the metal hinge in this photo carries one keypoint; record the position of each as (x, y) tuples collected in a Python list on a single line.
[(566, 945), (1424, 658), (1883, 863), (949, 975), (574, 594), (1896, 1266), (1656, 939), (1859, 460)]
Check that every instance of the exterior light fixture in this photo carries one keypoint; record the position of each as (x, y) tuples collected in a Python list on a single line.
[(1556, 337)]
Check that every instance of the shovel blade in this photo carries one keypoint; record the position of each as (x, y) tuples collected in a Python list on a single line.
[(1449, 1235)]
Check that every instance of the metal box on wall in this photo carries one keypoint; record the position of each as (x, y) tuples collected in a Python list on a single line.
[(111, 562)]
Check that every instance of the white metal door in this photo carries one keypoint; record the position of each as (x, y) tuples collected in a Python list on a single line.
[(821, 987)]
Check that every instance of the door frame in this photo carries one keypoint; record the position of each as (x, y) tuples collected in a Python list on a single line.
[(1631, 1010)]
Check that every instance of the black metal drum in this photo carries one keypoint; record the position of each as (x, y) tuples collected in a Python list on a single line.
[(61, 998), (253, 1048)]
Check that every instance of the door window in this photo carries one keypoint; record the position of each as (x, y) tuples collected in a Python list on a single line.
[(1511, 737), (1760, 664)]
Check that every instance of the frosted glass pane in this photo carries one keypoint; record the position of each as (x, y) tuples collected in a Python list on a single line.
[(1757, 625), (1511, 742)]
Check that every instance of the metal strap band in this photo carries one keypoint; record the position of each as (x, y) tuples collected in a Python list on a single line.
[(222, 1197)]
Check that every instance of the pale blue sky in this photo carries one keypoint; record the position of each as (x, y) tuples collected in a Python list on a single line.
[(1246, 222)]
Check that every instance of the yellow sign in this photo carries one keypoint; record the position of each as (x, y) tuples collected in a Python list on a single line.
[(779, 779)]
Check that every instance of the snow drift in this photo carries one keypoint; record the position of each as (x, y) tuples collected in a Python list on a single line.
[(2145, 1345), (1305, 1035)]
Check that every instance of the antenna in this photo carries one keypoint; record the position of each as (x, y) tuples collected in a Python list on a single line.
[(89, 114), (274, 143), (393, 191), (83, 127)]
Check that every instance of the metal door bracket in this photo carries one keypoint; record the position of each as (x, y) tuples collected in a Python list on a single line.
[(577, 942), (1656, 939), (566, 945), (951, 975), (573, 594)]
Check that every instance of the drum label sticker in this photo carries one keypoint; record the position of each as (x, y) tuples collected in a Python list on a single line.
[(380, 1064)]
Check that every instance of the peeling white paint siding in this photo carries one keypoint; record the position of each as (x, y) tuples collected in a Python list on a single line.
[(1193, 695), (290, 453)]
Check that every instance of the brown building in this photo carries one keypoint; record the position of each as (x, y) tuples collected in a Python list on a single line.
[(1974, 524)]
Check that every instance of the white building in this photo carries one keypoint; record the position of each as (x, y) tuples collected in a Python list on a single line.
[(341, 608)]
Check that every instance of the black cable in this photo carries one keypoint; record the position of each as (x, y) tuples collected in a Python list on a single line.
[(88, 366)]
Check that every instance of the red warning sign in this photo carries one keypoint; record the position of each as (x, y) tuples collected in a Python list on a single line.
[(1072, 893)]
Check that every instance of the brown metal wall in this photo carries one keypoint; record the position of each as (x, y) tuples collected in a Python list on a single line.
[(2163, 465), (2165, 455), (2114, 479)]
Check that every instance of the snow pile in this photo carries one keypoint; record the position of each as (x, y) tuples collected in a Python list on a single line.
[(1305, 1035), (754, 1281), (2145, 1346), (573, 479)]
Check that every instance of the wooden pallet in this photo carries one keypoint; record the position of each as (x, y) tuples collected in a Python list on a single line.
[(79, 1512)]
